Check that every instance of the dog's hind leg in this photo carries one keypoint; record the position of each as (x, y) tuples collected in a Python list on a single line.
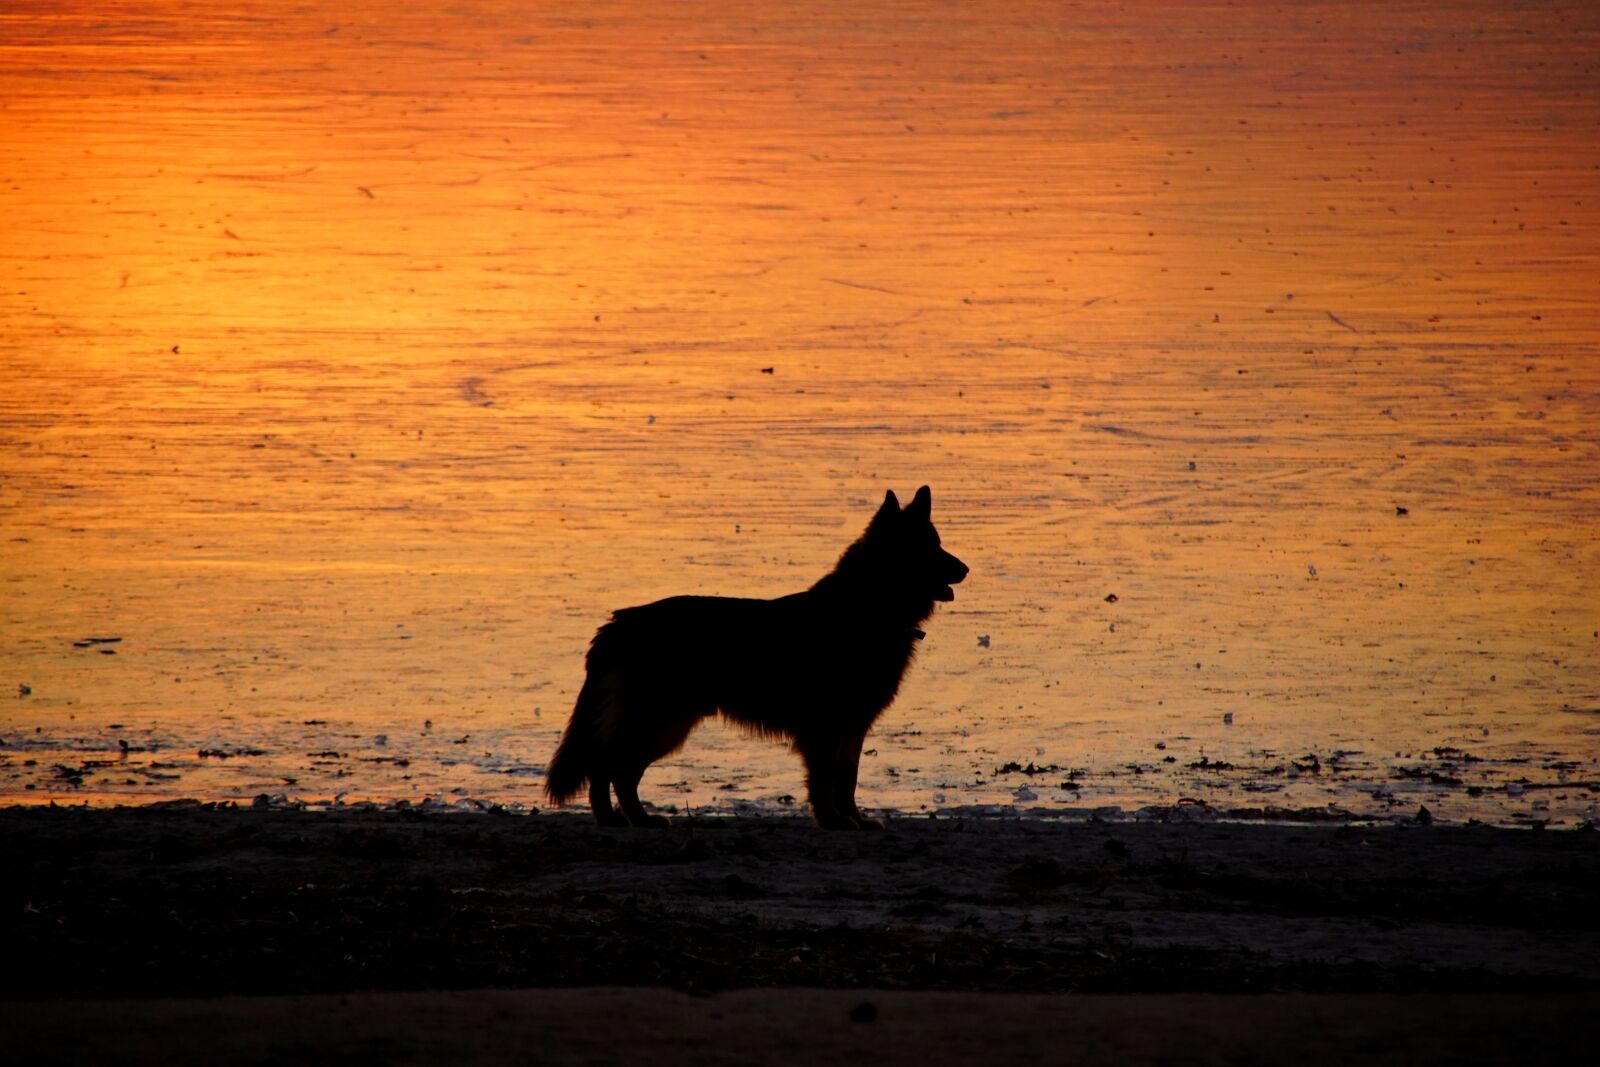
[(600, 801), (628, 798), (669, 733)]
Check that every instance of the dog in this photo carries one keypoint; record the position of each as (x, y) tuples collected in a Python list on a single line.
[(816, 668)]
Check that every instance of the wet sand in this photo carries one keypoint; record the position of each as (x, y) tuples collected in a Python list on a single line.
[(1397, 940)]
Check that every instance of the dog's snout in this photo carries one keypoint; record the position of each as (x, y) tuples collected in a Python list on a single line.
[(956, 568)]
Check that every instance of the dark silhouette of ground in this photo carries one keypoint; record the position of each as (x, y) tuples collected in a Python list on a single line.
[(204, 901)]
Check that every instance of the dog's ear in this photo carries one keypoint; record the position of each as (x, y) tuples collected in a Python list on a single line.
[(921, 505), (888, 510)]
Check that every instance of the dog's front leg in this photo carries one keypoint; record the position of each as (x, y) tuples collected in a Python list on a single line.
[(849, 756), (822, 784)]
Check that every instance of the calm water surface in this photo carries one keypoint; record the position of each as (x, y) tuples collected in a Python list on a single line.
[(357, 362)]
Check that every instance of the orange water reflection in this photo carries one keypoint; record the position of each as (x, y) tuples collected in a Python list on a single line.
[(359, 361)]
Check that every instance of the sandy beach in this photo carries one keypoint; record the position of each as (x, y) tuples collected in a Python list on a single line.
[(1431, 933)]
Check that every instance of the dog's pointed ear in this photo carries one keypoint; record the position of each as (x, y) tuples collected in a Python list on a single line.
[(921, 505), (888, 510)]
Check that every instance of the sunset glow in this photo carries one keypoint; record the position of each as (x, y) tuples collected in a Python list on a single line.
[(359, 359)]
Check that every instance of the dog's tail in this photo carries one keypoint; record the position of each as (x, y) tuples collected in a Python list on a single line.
[(591, 725), (594, 719), (569, 767)]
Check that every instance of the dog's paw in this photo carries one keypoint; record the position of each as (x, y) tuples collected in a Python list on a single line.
[(653, 821), (865, 823)]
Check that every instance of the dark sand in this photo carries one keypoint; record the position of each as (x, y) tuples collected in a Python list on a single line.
[(808, 1026), (323, 930)]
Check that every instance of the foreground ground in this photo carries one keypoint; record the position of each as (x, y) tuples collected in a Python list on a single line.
[(808, 1026), (201, 901), (206, 934)]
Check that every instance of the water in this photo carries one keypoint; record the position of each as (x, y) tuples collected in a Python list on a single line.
[(359, 362)]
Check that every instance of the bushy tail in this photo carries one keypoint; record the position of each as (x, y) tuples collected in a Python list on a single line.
[(569, 767)]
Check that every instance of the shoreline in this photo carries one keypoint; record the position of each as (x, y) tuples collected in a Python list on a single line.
[(1185, 809), (333, 765)]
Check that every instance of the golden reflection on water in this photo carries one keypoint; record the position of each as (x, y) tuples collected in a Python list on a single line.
[(358, 361)]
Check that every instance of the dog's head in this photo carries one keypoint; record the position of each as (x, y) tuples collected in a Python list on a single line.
[(905, 551)]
